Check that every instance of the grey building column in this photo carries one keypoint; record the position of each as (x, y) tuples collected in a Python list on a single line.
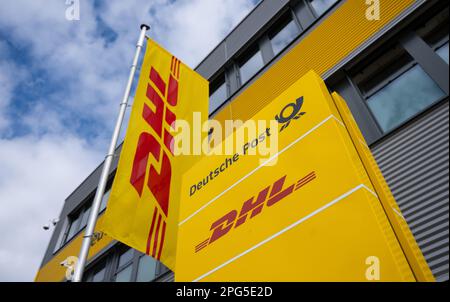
[(232, 78)]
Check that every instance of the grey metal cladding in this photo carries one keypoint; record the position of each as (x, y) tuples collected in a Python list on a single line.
[(214, 62), (415, 163)]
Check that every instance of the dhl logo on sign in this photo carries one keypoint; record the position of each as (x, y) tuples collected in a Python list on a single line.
[(313, 216), (143, 207)]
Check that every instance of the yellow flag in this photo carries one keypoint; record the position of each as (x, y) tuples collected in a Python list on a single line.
[(143, 207)]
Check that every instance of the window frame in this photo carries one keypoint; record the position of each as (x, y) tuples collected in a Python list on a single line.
[(71, 218), (386, 82), (157, 268), (424, 60), (243, 59), (79, 211), (222, 75), (129, 264)]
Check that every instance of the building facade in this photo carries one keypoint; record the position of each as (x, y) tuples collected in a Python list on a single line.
[(390, 64)]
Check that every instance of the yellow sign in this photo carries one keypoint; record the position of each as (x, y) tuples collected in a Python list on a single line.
[(143, 206), (308, 213)]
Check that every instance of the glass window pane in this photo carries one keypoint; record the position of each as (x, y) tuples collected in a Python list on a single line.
[(99, 276), (443, 52), (218, 97), (321, 6), (85, 217), (404, 97), (74, 227), (251, 67), (124, 275), (125, 257), (146, 269), (105, 200), (285, 36)]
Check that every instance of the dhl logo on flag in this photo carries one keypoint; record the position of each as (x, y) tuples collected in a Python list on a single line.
[(144, 203)]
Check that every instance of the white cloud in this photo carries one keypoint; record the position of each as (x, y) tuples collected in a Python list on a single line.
[(88, 73)]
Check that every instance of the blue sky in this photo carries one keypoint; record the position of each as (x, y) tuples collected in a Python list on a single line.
[(60, 85)]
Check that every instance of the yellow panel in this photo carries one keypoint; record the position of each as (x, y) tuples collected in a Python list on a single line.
[(320, 50), (326, 226)]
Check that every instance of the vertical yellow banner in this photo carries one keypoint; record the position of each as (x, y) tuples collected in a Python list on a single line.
[(144, 203), (404, 235)]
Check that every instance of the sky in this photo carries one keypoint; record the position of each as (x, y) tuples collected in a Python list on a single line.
[(61, 82)]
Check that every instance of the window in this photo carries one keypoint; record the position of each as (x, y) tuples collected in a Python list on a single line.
[(321, 6), (218, 93), (79, 219), (283, 34), (404, 97), (443, 52), (435, 31), (74, 226), (77, 222), (85, 217), (99, 273), (105, 200), (146, 269), (395, 87), (124, 266), (99, 276), (250, 66), (125, 257)]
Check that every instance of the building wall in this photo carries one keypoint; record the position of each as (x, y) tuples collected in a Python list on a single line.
[(337, 44)]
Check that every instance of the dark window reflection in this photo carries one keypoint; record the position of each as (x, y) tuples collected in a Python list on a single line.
[(443, 52), (99, 276), (321, 6), (218, 95), (251, 66), (124, 275), (284, 36), (125, 257)]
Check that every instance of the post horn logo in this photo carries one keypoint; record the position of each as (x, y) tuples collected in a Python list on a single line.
[(285, 118)]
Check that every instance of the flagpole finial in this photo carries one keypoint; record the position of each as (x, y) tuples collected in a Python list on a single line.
[(147, 27)]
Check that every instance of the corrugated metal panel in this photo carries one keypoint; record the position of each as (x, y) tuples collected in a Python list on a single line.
[(415, 163), (168, 277)]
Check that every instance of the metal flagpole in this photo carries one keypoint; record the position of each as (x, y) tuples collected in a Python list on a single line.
[(79, 270)]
